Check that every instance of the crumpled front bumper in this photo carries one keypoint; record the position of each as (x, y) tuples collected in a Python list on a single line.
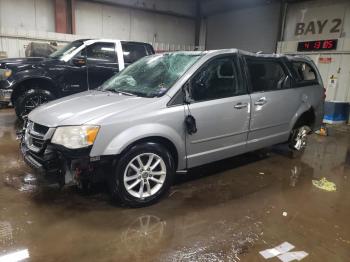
[(6, 89), (66, 167), (49, 167), (5, 95)]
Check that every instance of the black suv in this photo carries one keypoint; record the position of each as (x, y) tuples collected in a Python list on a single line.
[(80, 65)]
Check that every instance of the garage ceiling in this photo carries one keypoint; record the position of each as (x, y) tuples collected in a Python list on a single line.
[(210, 7), (189, 8)]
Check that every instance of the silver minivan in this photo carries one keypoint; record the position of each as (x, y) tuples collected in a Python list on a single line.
[(171, 112)]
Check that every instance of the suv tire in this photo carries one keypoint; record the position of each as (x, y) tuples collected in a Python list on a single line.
[(298, 140), (31, 99), (142, 175)]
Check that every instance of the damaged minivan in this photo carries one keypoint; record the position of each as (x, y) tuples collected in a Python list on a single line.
[(170, 112)]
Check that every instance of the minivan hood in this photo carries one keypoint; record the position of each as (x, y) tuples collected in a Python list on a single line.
[(84, 107)]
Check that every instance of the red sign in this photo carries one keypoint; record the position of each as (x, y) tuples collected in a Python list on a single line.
[(320, 45), (325, 60)]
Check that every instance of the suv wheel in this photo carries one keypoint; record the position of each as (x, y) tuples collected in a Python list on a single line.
[(298, 140), (143, 175), (31, 99)]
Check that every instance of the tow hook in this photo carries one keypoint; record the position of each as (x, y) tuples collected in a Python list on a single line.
[(20, 133)]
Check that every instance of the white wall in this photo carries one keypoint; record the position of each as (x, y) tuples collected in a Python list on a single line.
[(315, 13), (252, 29), (28, 15), (101, 20)]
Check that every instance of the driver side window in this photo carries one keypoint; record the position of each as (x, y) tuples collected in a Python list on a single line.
[(217, 79)]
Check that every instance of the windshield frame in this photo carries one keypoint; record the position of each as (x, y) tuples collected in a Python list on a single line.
[(197, 54), (67, 57)]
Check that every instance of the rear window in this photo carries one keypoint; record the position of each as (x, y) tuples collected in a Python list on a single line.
[(304, 72), (133, 52)]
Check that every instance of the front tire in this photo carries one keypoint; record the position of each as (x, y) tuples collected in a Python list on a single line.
[(142, 175), (31, 99)]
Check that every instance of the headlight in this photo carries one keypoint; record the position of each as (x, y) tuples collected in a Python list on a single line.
[(74, 137), (5, 73)]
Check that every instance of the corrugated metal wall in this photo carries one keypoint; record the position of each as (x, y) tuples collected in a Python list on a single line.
[(27, 15), (23, 21), (253, 29)]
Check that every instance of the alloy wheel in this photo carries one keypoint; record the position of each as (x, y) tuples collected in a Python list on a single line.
[(300, 141), (144, 175), (34, 102)]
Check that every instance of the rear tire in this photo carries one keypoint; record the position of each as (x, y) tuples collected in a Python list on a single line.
[(298, 140), (143, 175), (31, 99)]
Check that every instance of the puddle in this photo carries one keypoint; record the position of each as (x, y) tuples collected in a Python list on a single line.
[(226, 211)]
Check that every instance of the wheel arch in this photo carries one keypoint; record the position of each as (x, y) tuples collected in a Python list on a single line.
[(305, 116), (168, 144), (33, 82)]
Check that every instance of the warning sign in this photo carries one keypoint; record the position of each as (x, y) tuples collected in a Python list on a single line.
[(332, 82), (325, 60)]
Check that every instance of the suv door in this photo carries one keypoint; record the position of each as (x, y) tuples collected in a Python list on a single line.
[(133, 52), (274, 102), (102, 62), (220, 106)]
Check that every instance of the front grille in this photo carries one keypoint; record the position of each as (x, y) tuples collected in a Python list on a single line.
[(40, 128), (36, 136)]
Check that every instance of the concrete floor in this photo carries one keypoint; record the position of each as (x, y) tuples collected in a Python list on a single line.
[(226, 211)]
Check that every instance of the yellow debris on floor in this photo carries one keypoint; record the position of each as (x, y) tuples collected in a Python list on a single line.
[(322, 131), (324, 184)]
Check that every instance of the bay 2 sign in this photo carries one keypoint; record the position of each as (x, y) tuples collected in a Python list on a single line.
[(319, 27)]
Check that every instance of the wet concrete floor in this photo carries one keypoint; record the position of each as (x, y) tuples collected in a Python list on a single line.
[(226, 211)]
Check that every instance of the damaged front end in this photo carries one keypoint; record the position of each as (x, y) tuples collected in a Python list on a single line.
[(57, 164)]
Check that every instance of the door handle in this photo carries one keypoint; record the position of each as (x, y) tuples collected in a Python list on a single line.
[(240, 105), (261, 101)]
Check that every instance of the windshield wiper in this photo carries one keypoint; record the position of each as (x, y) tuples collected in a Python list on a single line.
[(120, 92)]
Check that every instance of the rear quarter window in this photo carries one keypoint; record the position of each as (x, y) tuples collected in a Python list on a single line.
[(304, 73)]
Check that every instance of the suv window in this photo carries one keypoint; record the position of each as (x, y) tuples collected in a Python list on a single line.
[(217, 79), (304, 72), (133, 52), (266, 75), (103, 52)]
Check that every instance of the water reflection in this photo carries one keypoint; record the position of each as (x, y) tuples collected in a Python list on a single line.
[(6, 236), (144, 233)]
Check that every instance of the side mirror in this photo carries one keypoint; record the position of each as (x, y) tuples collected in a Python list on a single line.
[(79, 61)]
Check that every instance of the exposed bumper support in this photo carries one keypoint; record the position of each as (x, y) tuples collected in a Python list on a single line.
[(64, 168)]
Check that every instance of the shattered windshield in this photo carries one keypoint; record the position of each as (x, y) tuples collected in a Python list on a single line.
[(152, 75), (67, 49)]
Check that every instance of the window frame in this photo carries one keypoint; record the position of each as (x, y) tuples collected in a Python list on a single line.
[(135, 44), (277, 60), (99, 61), (236, 63)]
